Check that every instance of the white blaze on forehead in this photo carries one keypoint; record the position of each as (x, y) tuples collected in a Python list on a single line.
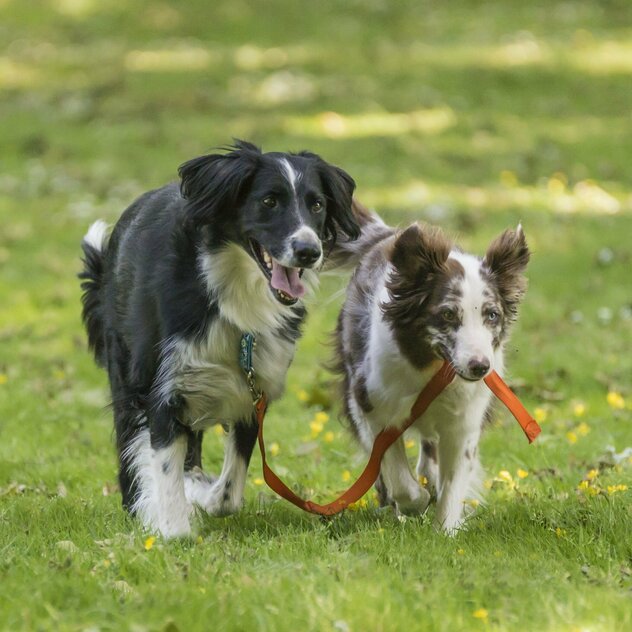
[(473, 339), (472, 286), (292, 175)]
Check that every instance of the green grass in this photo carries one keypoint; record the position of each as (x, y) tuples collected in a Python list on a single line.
[(470, 115)]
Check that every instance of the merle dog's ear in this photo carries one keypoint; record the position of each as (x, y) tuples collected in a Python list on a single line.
[(420, 251), (214, 183), (419, 254), (338, 186), (506, 260)]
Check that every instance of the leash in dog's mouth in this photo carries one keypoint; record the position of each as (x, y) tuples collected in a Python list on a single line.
[(285, 282)]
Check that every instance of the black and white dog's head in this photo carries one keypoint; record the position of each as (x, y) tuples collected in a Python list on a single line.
[(453, 305), (284, 210)]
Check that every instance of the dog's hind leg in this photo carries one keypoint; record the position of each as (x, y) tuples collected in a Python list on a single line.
[(225, 495), (428, 466)]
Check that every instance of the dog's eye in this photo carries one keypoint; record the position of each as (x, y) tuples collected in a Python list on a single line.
[(448, 315), (269, 201), (493, 316), (317, 206)]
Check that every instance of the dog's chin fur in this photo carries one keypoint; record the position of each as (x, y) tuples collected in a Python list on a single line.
[(244, 295), (167, 297), (413, 301)]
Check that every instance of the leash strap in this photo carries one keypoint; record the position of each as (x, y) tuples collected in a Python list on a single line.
[(383, 441), (528, 424)]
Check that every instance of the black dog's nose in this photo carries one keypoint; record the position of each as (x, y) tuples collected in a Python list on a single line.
[(305, 252), (478, 367)]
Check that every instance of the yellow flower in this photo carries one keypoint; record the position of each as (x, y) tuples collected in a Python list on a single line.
[(149, 542), (321, 416), (583, 485), (4, 378), (522, 473), (556, 184), (579, 409), (472, 502), (460, 551), (274, 448), (359, 504), (591, 475), (346, 476), (409, 443), (583, 429), (560, 533), (481, 614), (613, 489), (540, 414), (508, 178), (505, 476), (572, 437), (316, 427), (329, 436), (422, 480), (258, 481), (199, 539), (219, 430), (615, 400), (302, 395)]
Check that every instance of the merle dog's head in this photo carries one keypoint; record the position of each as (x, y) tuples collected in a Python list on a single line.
[(451, 305), (283, 209)]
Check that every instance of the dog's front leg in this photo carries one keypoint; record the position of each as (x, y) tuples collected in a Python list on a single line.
[(457, 465), (225, 495)]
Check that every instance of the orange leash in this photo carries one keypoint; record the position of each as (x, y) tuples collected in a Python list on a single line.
[(386, 438)]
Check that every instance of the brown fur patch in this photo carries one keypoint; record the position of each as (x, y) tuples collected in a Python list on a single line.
[(421, 268)]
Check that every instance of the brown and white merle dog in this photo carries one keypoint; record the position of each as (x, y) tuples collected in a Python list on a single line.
[(188, 268), (414, 301)]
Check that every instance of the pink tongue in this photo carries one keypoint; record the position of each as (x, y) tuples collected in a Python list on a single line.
[(286, 280)]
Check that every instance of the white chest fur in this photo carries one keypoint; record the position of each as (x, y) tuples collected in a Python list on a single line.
[(208, 377)]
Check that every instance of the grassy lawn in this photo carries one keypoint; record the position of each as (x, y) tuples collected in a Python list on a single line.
[(471, 115)]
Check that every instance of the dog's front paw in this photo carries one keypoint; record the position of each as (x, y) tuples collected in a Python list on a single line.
[(449, 525), (413, 506), (214, 496)]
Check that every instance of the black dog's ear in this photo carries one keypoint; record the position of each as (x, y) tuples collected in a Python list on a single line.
[(214, 182), (339, 187)]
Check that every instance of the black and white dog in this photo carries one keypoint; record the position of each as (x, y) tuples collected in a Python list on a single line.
[(186, 271), (414, 301)]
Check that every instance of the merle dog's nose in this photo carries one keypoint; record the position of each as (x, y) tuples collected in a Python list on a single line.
[(305, 252), (478, 367)]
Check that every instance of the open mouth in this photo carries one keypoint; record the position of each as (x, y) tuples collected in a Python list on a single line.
[(285, 283)]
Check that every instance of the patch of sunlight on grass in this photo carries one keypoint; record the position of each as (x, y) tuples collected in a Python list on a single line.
[(334, 125), (16, 75), (605, 58), (183, 57), (585, 197), (76, 8)]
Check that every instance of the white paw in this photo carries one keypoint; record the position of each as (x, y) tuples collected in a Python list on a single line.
[(216, 497), (413, 506)]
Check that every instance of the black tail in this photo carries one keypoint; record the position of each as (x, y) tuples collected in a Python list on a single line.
[(94, 246)]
